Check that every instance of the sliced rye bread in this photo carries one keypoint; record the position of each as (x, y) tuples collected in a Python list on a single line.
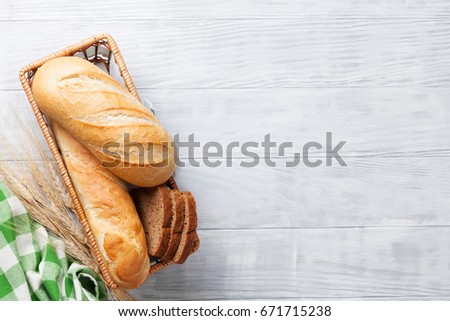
[(196, 243), (189, 239), (177, 224), (154, 206)]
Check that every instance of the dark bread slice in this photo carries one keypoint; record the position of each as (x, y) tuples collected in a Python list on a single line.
[(189, 238), (154, 206), (187, 245), (177, 224), (196, 243)]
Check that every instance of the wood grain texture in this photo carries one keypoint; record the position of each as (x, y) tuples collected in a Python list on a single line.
[(114, 10), (308, 52), (320, 262), (374, 72), (378, 122), (310, 264), (397, 174), (390, 192), (369, 192)]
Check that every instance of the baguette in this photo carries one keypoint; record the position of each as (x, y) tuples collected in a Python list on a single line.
[(101, 114), (110, 212)]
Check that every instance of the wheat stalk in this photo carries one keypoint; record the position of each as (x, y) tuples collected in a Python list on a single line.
[(50, 214), (44, 194), (41, 190)]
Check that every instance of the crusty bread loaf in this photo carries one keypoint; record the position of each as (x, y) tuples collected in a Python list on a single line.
[(110, 212), (101, 114), (177, 224), (154, 206), (189, 239)]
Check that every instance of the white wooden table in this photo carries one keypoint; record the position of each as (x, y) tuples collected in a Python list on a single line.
[(375, 73)]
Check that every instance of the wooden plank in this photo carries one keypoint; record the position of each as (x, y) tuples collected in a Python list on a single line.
[(397, 155), (382, 192), (381, 122), (369, 192), (310, 264), (206, 9), (374, 121), (310, 52)]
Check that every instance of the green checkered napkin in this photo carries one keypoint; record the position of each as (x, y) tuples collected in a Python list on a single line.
[(33, 265)]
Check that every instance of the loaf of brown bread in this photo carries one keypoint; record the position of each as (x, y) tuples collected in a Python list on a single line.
[(176, 226), (196, 243), (101, 114), (189, 239), (155, 209), (110, 212), (170, 227)]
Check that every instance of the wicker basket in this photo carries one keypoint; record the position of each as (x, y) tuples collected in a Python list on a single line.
[(99, 49)]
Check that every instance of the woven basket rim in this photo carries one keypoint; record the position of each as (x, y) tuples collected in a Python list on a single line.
[(25, 75)]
